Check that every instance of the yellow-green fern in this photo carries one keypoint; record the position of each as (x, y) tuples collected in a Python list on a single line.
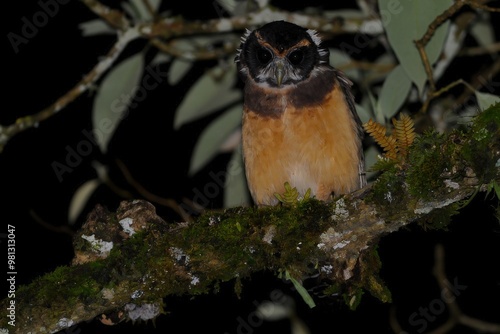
[(396, 144)]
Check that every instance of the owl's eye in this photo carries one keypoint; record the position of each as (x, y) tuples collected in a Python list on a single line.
[(296, 57), (264, 56)]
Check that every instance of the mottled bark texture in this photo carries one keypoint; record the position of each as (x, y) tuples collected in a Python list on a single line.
[(127, 261)]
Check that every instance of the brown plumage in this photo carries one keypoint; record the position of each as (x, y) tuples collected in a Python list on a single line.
[(299, 121)]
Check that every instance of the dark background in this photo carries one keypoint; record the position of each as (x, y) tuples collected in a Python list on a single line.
[(158, 157)]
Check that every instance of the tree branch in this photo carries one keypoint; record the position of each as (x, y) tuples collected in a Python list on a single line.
[(166, 29), (431, 29), (88, 80), (456, 315), (126, 262)]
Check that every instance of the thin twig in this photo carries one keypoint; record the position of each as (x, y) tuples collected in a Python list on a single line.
[(479, 5), (433, 95), (167, 28), (205, 54), (88, 80), (151, 10), (443, 282), (167, 202), (456, 315), (431, 29), (480, 50), (113, 17), (482, 79), (427, 65), (58, 229)]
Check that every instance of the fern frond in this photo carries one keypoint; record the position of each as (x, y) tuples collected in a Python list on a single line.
[(404, 132), (387, 142), (291, 195)]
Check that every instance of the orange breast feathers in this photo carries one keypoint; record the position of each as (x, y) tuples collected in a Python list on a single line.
[(313, 147)]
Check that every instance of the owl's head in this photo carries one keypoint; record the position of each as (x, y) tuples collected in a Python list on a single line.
[(280, 54)]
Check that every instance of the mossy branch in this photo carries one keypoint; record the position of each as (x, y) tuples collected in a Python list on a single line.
[(126, 262)]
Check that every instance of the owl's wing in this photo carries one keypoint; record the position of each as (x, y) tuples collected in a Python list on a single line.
[(345, 85)]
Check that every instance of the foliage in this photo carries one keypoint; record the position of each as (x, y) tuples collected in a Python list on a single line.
[(395, 146), (291, 195)]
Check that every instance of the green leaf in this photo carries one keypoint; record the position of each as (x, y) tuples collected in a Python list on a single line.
[(371, 158), (95, 27), (301, 290), (339, 59), (363, 114), (379, 115), (80, 199), (178, 69), (394, 92), (160, 58), (210, 93), (484, 100), (386, 60), (452, 45), (236, 189), (407, 22), (482, 30), (353, 298), (496, 186), (228, 5), (213, 136), (113, 97)]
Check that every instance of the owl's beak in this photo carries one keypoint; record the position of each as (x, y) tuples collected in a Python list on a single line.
[(279, 72)]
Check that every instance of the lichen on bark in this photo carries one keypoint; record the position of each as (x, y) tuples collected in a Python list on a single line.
[(336, 240)]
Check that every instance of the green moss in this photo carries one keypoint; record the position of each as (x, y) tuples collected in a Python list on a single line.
[(85, 290), (488, 116), (481, 150), (370, 265), (435, 157), (332, 290), (429, 158), (352, 298), (388, 190), (439, 218), (73, 284), (232, 234)]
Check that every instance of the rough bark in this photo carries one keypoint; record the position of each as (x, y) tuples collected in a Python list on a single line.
[(127, 261)]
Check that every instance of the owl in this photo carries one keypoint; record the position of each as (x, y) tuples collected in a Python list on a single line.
[(299, 121)]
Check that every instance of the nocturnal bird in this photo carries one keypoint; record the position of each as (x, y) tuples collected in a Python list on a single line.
[(299, 121)]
